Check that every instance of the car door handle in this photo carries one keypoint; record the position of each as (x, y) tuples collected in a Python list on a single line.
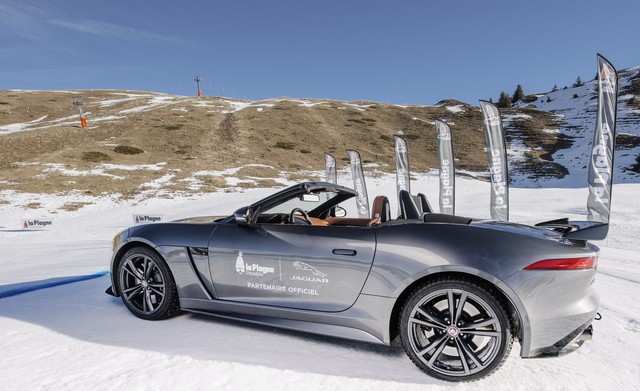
[(344, 251)]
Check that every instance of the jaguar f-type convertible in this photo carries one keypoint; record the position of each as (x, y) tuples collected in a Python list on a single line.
[(456, 291)]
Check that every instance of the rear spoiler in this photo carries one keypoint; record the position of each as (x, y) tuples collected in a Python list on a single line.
[(577, 230)]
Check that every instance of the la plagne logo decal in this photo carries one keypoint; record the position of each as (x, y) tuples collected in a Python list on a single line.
[(442, 133), (240, 268), (252, 269), (146, 219), (493, 119), (37, 223)]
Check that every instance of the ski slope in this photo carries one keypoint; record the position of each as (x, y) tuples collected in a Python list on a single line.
[(74, 336), (576, 109)]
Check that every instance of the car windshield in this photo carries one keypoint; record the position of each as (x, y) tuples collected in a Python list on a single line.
[(305, 202)]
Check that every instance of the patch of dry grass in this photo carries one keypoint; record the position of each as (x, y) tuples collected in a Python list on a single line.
[(73, 206), (289, 137)]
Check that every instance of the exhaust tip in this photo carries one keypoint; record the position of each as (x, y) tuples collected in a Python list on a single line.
[(587, 334)]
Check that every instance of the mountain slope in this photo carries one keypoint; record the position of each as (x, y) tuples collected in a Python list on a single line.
[(575, 109), (139, 142)]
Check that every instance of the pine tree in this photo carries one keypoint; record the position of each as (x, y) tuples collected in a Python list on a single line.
[(518, 94), (578, 82), (504, 101), (555, 87)]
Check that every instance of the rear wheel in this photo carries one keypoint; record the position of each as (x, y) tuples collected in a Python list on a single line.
[(146, 285), (455, 330)]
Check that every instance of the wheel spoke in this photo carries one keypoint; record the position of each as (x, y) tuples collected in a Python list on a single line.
[(145, 268), (439, 323), (483, 333), (465, 350), (157, 291), (461, 303), (131, 269), (461, 355), (134, 291), (433, 344), (478, 325), (147, 299), (434, 356), (451, 304), (425, 323)]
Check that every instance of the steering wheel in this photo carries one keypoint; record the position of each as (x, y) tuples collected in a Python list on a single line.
[(305, 216)]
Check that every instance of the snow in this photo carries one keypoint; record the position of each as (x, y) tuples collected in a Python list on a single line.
[(74, 336), (11, 128), (100, 169), (578, 116), (456, 108)]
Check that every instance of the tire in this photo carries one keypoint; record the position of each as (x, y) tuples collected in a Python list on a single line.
[(455, 330), (146, 285)]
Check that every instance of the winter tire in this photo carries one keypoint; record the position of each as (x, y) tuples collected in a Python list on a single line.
[(455, 330), (146, 285)]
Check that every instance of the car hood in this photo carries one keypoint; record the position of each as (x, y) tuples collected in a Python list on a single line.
[(200, 219)]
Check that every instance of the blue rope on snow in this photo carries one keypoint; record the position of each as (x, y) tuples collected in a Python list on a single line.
[(25, 287)]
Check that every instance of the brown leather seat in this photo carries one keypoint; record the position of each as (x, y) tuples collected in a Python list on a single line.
[(380, 212)]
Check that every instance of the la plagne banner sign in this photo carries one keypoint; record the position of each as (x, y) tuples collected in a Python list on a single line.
[(447, 169), (362, 198), (403, 176), (146, 218), (330, 173), (497, 156), (600, 175), (36, 224)]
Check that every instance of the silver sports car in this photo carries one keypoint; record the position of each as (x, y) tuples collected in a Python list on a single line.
[(457, 291)]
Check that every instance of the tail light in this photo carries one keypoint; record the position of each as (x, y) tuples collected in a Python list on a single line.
[(564, 264)]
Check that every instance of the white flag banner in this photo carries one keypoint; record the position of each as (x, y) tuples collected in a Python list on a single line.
[(362, 199), (403, 175), (447, 169), (330, 173), (497, 156), (600, 175)]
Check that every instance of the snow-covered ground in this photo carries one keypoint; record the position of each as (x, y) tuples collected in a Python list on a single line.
[(74, 336), (576, 108)]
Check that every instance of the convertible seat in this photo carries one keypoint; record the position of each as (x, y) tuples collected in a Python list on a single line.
[(381, 211), (422, 203), (408, 208)]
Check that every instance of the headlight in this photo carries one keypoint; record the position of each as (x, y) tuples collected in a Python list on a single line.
[(115, 243)]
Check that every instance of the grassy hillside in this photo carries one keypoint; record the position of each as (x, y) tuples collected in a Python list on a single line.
[(136, 138)]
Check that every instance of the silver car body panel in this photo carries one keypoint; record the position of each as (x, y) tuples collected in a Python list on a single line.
[(346, 281)]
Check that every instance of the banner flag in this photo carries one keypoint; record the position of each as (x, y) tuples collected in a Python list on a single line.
[(497, 156), (362, 199), (403, 176), (330, 174), (447, 169), (600, 176)]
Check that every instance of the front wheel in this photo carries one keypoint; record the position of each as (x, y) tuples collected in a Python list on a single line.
[(146, 285), (455, 330)]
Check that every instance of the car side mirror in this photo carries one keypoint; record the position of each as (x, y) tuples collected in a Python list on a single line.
[(243, 216), (340, 211)]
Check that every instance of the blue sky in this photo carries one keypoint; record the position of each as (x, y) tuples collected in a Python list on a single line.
[(416, 52)]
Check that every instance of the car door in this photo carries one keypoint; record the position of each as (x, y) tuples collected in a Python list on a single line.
[(296, 266)]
